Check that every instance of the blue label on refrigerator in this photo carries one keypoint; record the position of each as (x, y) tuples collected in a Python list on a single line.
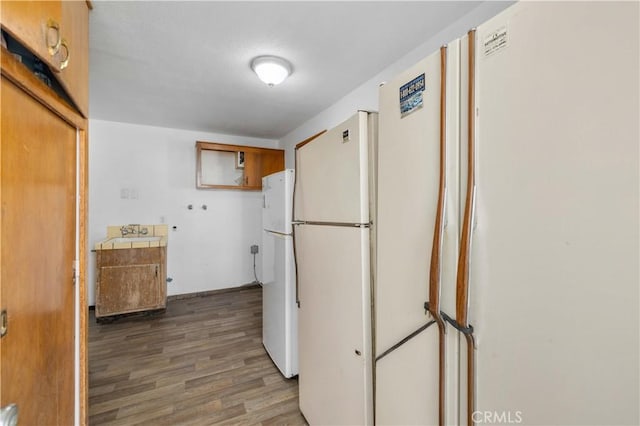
[(411, 95)]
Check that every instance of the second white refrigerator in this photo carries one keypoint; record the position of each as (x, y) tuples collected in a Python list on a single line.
[(333, 212), (279, 312)]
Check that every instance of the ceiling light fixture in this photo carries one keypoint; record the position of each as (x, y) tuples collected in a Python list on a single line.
[(271, 69)]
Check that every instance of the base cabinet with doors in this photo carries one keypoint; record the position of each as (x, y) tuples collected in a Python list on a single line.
[(131, 280), (43, 160)]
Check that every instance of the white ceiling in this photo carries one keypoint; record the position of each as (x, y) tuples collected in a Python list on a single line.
[(186, 64)]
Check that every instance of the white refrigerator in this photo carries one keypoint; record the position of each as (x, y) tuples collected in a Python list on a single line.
[(279, 311), (334, 206), (512, 203)]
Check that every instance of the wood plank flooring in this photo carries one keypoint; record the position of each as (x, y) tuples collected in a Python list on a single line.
[(201, 362)]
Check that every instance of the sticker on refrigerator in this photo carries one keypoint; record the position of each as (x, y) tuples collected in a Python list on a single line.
[(411, 95), (345, 136), (495, 41)]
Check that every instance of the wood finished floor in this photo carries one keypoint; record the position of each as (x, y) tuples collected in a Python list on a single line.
[(202, 362)]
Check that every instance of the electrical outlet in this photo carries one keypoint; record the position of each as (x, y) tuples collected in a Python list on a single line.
[(254, 249)]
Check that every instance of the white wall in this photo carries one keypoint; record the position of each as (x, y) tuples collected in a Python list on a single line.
[(210, 248), (365, 97)]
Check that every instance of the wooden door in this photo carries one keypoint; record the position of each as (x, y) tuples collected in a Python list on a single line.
[(38, 169)]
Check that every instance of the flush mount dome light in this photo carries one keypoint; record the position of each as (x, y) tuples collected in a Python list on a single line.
[(271, 69)]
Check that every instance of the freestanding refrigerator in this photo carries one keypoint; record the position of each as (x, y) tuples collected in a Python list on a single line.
[(418, 242), (279, 310), (523, 207), (334, 206)]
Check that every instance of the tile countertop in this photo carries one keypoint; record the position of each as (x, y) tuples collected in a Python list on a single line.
[(156, 236)]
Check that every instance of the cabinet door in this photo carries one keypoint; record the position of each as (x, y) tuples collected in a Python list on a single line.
[(75, 31), (272, 162), (29, 22), (252, 170), (129, 288), (38, 237)]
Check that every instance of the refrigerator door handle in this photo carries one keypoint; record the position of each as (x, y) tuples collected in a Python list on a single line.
[(438, 232), (435, 270), (295, 222), (462, 279), (277, 234)]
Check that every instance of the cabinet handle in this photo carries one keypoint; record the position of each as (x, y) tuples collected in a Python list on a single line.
[(246, 180), (53, 45), (65, 61)]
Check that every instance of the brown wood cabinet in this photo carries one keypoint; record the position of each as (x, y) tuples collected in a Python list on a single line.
[(75, 77), (131, 280), (41, 275), (36, 24), (223, 166), (57, 32)]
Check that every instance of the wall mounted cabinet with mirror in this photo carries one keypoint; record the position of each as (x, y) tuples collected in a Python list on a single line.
[(222, 166)]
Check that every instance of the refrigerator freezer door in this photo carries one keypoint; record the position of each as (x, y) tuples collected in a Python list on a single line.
[(555, 250), (333, 175), (408, 179), (279, 311), (277, 199), (334, 325)]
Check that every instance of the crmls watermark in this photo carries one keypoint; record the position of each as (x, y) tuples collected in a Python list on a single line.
[(497, 417)]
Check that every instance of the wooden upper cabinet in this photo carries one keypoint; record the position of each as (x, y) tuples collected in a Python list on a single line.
[(57, 32), (272, 162), (253, 170), (222, 166), (75, 30), (37, 25)]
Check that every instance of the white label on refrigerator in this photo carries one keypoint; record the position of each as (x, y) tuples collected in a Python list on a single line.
[(345, 136), (495, 41), (411, 95)]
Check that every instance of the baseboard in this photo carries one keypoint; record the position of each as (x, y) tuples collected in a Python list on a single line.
[(211, 292)]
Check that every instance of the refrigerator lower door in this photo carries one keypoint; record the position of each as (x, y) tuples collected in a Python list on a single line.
[(279, 312), (335, 380)]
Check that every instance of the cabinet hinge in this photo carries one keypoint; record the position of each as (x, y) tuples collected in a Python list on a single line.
[(4, 323), (76, 271)]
